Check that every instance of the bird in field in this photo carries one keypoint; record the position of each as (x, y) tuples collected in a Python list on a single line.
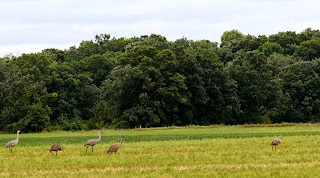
[(92, 142), (55, 148), (13, 143), (275, 142), (115, 148)]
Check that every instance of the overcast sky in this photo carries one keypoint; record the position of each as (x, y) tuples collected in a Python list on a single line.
[(32, 25)]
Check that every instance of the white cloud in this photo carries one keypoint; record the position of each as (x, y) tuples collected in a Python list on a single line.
[(31, 25), (19, 49)]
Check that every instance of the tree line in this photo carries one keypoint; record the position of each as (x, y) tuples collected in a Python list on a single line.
[(150, 81)]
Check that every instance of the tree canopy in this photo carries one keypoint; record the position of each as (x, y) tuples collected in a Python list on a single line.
[(149, 81)]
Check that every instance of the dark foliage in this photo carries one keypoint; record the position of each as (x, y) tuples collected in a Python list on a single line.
[(149, 81)]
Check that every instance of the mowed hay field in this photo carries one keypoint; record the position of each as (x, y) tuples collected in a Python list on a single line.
[(216, 151)]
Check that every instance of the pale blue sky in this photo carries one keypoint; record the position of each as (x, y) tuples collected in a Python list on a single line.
[(32, 25)]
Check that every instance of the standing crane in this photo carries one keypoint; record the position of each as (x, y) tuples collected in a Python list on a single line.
[(55, 148), (13, 143), (275, 142), (114, 148), (92, 142)]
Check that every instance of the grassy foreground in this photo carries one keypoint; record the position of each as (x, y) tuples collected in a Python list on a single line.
[(218, 151)]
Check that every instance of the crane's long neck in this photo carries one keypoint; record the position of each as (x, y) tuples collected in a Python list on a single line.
[(99, 136), (279, 139), (121, 141), (17, 136)]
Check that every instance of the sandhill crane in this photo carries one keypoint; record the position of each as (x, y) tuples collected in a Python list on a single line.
[(114, 148), (275, 142), (13, 143), (55, 148), (92, 142)]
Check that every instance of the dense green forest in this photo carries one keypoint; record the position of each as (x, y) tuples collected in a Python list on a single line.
[(150, 81)]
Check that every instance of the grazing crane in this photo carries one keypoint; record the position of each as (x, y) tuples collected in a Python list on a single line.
[(275, 142), (55, 148), (114, 148), (13, 143), (92, 142)]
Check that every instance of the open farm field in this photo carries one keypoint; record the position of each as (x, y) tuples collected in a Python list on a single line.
[(216, 151)]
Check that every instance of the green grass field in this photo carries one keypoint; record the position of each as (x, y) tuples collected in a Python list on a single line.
[(217, 151)]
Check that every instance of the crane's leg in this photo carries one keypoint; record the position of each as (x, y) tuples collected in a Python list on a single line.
[(86, 149), (51, 153), (10, 149), (56, 153), (92, 148), (275, 147)]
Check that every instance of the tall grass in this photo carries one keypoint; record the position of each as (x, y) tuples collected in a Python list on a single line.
[(223, 151)]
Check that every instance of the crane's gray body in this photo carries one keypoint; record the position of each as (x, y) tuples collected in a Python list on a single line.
[(13, 143), (92, 142)]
